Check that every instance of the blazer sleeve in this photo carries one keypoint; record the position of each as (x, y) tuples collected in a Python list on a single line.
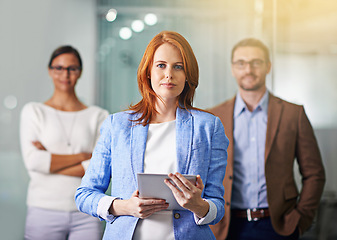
[(214, 189), (312, 170), (96, 180)]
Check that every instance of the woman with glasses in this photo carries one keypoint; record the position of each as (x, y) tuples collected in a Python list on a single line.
[(163, 133), (57, 139)]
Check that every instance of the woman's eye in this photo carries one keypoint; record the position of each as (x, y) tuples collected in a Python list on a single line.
[(161, 65), (179, 67)]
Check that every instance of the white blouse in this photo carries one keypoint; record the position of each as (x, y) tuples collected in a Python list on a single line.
[(160, 157)]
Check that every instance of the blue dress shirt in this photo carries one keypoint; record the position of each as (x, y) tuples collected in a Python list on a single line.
[(249, 182)]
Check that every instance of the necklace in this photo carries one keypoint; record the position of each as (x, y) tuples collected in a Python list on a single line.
[(67, 136)]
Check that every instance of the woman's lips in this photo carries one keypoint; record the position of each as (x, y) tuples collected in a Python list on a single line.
[(168, 85), (65, 82)]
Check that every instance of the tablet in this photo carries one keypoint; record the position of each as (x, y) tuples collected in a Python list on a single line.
[(151, 185)]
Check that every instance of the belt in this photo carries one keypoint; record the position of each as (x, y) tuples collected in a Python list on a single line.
[(254, 214)]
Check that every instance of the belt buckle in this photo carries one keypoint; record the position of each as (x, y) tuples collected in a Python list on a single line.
[(249, 215)]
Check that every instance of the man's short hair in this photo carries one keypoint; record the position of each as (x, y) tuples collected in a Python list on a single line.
[(252, 42)]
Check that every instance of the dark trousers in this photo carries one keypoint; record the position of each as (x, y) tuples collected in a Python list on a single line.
[(242, 229)]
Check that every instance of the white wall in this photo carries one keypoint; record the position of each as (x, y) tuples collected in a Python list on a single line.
[(29, 32)]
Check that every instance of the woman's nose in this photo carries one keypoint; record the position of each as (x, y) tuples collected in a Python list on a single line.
[(168, 74), (66, 71)]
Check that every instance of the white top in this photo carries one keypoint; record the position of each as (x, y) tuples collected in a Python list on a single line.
[(55, 129), (160, 157), (160, 152)]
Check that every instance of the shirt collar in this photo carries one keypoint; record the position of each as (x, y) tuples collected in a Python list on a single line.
[(263, 104), (240, 105)]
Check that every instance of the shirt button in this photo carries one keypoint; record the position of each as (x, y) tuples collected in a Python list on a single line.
[(230, 177), (227, 203), (176, 215)]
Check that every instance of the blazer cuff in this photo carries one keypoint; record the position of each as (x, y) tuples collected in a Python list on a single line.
[(103, 208), (210, 216)]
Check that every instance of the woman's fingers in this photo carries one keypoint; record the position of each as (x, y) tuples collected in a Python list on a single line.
[(151, 202), (135, 194), (200, 184), (144, 213), (145, 207), (173, 187), (148, 207), (183, 183), (38, 145), (186, 193)]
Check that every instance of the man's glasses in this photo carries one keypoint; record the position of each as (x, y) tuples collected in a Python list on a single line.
[(70, 70), (255, 63)]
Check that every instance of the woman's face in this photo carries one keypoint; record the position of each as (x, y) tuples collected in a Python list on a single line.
[(65, 70), (167, 73)]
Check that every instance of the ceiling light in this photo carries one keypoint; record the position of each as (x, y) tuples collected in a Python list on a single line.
[(111, 15), (137, 26), (125, 33), (150, 19)]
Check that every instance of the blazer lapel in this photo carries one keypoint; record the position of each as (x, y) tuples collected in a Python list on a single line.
[(184, 133), (274, 115), (138, 144)]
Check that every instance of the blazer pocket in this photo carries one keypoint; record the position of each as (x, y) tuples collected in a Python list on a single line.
[(290, 192)]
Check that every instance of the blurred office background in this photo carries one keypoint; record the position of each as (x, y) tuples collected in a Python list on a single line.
[(302, 36)]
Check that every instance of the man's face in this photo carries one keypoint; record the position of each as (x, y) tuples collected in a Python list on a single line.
[(250, 68)]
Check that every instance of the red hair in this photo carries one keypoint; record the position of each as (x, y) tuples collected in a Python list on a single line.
[(146, 106)]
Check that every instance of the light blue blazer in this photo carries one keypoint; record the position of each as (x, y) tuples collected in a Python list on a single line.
[(201, 149)]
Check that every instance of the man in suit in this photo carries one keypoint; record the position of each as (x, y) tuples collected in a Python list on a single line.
[(266, 135)]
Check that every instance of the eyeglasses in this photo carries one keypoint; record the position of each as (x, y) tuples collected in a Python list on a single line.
[(255, 63), (70, 70)]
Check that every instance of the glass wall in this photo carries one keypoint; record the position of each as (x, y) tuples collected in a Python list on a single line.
[(211, 27)]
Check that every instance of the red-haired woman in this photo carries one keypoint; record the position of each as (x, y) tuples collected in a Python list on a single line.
[(162, 133)]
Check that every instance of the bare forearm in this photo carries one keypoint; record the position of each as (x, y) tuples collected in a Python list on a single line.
[(202, 209), (75, 171), (62, 162), (118, 208)]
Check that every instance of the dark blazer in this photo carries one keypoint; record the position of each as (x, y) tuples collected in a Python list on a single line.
[(289, 136)]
